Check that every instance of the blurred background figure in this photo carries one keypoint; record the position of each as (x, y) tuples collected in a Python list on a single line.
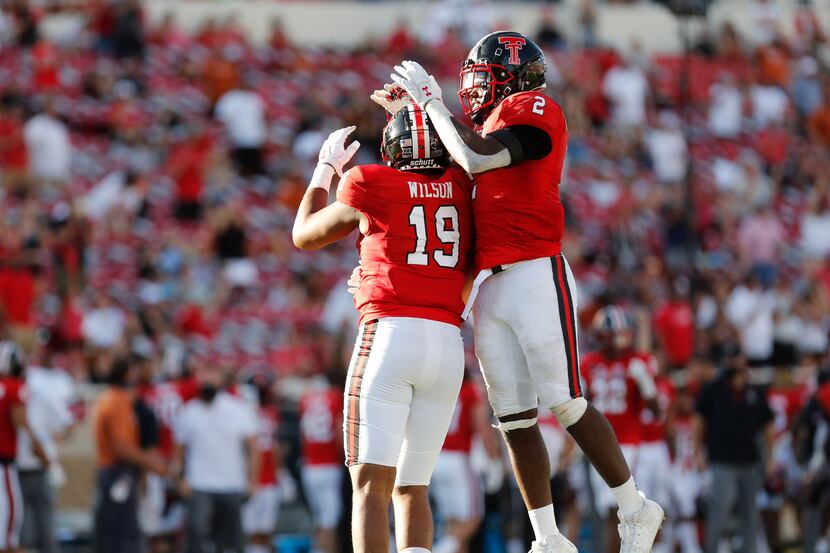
[(321, 434), (120, 462), (734, 418), (217, 452), (50, 419), (456, 488), (259, 514)]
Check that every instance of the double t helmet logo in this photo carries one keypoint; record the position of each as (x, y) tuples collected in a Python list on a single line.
[(514, 45)]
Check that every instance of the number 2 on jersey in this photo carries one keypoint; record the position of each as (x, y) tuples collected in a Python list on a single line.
[(448, 234), (538, 106)]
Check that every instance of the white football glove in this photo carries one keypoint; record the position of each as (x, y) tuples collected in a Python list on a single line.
[(334, 152), (392, 98), (354, 281), (421, 86)]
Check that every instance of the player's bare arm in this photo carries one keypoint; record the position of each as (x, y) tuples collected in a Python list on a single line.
[(319, 224)]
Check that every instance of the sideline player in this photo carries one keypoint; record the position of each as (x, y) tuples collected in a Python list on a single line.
[(259, 513), (654, 458), (455, 486), (686, 479), (620, 384), (321, 421), (408, 361), (13, 418), (525, 314)]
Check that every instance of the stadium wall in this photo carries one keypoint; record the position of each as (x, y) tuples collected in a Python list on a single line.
[(349, 23)]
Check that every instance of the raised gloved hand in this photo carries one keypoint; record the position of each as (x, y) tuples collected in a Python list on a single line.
[(420, 85), (334, 151), (392, 98)]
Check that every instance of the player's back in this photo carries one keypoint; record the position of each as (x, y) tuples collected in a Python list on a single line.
[(413, 256), (614, 392), (320, 422), (517, 209)]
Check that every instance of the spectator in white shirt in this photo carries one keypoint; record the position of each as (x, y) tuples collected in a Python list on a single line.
[(242, 111), (667, 148), (103, 324), (725, 108), (760, 239), (750, 310), (47, 141), (216, 447), (815, 229), (49, 417), (765, 18), (769, 104), (626, 87)]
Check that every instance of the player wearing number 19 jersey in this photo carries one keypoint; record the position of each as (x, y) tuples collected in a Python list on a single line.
[(408, 362)]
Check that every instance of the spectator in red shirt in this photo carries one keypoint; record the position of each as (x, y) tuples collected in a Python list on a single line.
[(675, 325), (400, 41), (186, 164), (14, 158)]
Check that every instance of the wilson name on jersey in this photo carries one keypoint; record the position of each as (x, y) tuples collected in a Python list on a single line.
[(414, 255)]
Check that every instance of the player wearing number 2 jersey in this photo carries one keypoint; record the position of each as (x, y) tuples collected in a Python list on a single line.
[(525, 313), (408, 362)]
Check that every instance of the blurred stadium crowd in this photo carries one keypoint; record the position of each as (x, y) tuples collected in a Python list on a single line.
[(150, 177)]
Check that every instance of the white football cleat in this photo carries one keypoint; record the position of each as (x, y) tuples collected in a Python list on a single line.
[(553, 544), (638, 530)]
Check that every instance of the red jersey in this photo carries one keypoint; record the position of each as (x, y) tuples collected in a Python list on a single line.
[(321, 416), (12, 394), (166, 399), (685, 448), (266, 438), (654, 428), (517, 210), (413, 257), (615, 393), (462, 427), (785, 403), (675, 324)]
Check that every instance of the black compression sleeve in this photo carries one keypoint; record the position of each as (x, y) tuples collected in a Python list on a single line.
[(524, 142)]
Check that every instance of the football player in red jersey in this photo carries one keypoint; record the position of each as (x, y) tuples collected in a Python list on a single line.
[(525, 313), (456, 488), (259, 514), (12, 419), (653, 457), (685, 482), (415, 236), (620, 383), (321, 441)]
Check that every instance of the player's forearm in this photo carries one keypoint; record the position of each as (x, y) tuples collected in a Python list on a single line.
[(472, 152), (316, 198)]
